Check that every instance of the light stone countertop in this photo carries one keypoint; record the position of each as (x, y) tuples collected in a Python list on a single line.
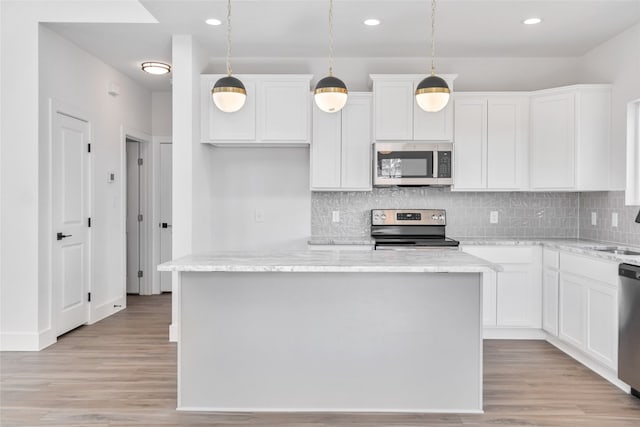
[(334, 260), (341, 240), (577, 246)]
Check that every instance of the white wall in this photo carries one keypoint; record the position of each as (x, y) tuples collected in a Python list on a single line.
[(161, 122), (272, 180), (616, 61), (24, 278), (474, 74)]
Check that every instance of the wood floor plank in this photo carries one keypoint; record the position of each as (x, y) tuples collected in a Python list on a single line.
[(122, 372)]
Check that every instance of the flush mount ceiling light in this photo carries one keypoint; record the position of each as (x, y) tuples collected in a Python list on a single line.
[(331, 92), (213, 21), (371, 22), (229, 93), (532, 21), (157, 68), (432, 94)]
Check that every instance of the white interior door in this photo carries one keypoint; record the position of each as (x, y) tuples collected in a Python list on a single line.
[(70, 206), (166, 162), (133, 217)]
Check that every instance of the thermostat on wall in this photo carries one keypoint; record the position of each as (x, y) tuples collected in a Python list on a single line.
[(111, 177)]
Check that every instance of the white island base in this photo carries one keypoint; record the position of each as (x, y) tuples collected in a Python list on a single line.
[(330, 341)]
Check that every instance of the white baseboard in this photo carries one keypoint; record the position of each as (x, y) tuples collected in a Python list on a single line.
[(107, 309), (604, 371), (305, 410), (513, 334), (26, 341)]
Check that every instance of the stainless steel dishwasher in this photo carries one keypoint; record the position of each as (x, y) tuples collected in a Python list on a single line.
[(629, 326)]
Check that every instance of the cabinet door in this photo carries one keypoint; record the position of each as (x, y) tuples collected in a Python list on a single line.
[(515, 297), (471, 141), (433, 126), (550, 280), (356, 143), (393, 109), (552, 145), (572, 311), (602, 323), (506, 142), (284, 110), (326, 150), (228, 127)]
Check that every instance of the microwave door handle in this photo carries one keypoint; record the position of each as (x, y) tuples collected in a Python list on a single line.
[(435, 164)]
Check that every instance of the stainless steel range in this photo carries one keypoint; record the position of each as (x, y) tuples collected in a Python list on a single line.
[(410, 229)]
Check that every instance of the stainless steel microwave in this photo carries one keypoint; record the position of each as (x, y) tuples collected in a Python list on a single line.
[(415, 163)]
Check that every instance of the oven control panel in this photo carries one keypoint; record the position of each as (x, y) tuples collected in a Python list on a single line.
[(408, 217)]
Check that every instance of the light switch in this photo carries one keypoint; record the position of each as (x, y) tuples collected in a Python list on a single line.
[(614, 219), (594, 218), (259, 215), (335, 216), (493, 217)]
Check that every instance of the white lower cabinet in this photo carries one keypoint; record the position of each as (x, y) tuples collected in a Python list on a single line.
[(550, 289), (588, 310), (512, 297)]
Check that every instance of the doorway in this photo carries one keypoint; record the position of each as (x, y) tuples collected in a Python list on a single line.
[(137, 235), (71, 205), (165, 191)]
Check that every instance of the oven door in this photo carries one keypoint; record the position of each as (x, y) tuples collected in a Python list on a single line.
[(398, 163)]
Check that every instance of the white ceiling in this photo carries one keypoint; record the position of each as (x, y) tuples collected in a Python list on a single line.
[(299, 29)]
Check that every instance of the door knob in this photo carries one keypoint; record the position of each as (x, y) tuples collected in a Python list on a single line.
[(61, 236)]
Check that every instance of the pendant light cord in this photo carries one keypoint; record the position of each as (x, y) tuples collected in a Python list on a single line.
[(433, 37), (331, 37), (229, 38)]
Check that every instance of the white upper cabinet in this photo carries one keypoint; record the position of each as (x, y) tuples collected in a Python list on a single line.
[(276, 112), (490, 150), (341, 146), (397, 116), (569, 138)]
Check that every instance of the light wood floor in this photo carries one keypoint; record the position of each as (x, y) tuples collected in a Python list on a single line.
[(122, 372)]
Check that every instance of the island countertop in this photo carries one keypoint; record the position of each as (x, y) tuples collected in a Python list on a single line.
[(427, 261)]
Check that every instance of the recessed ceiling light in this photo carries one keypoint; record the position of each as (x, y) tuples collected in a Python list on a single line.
[(532, 21), (213, 21), (157, 68), (372, 22)]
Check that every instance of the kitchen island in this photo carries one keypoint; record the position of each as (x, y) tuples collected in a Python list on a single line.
[(330, 331)]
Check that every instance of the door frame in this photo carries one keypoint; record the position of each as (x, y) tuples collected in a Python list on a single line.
[(57, 106), (146, 179), (157, 140)]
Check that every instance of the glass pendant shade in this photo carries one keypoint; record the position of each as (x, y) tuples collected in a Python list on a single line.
[(432, 94), (229, 94), (330, 94)]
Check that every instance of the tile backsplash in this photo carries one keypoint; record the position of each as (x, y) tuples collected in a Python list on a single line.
[(604, 204), (520, 214)]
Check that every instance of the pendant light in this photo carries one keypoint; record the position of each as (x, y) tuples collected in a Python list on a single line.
[(432, 94), (229, 93), (331, 92)]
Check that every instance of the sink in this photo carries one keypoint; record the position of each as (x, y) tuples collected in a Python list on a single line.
[(616, 250)]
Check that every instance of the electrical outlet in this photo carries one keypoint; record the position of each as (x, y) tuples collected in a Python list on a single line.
[(259, 215), (614, 219), (493, 217), (594, 218), (335, 216)]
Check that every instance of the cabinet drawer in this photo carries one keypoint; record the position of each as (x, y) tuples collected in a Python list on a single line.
[(502, 255), (594, 269), (551, 258)]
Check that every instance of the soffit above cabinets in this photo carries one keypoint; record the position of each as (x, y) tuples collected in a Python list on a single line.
[(298, 29)]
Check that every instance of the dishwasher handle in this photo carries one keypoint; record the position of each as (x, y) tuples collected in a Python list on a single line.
[(629, 270)]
